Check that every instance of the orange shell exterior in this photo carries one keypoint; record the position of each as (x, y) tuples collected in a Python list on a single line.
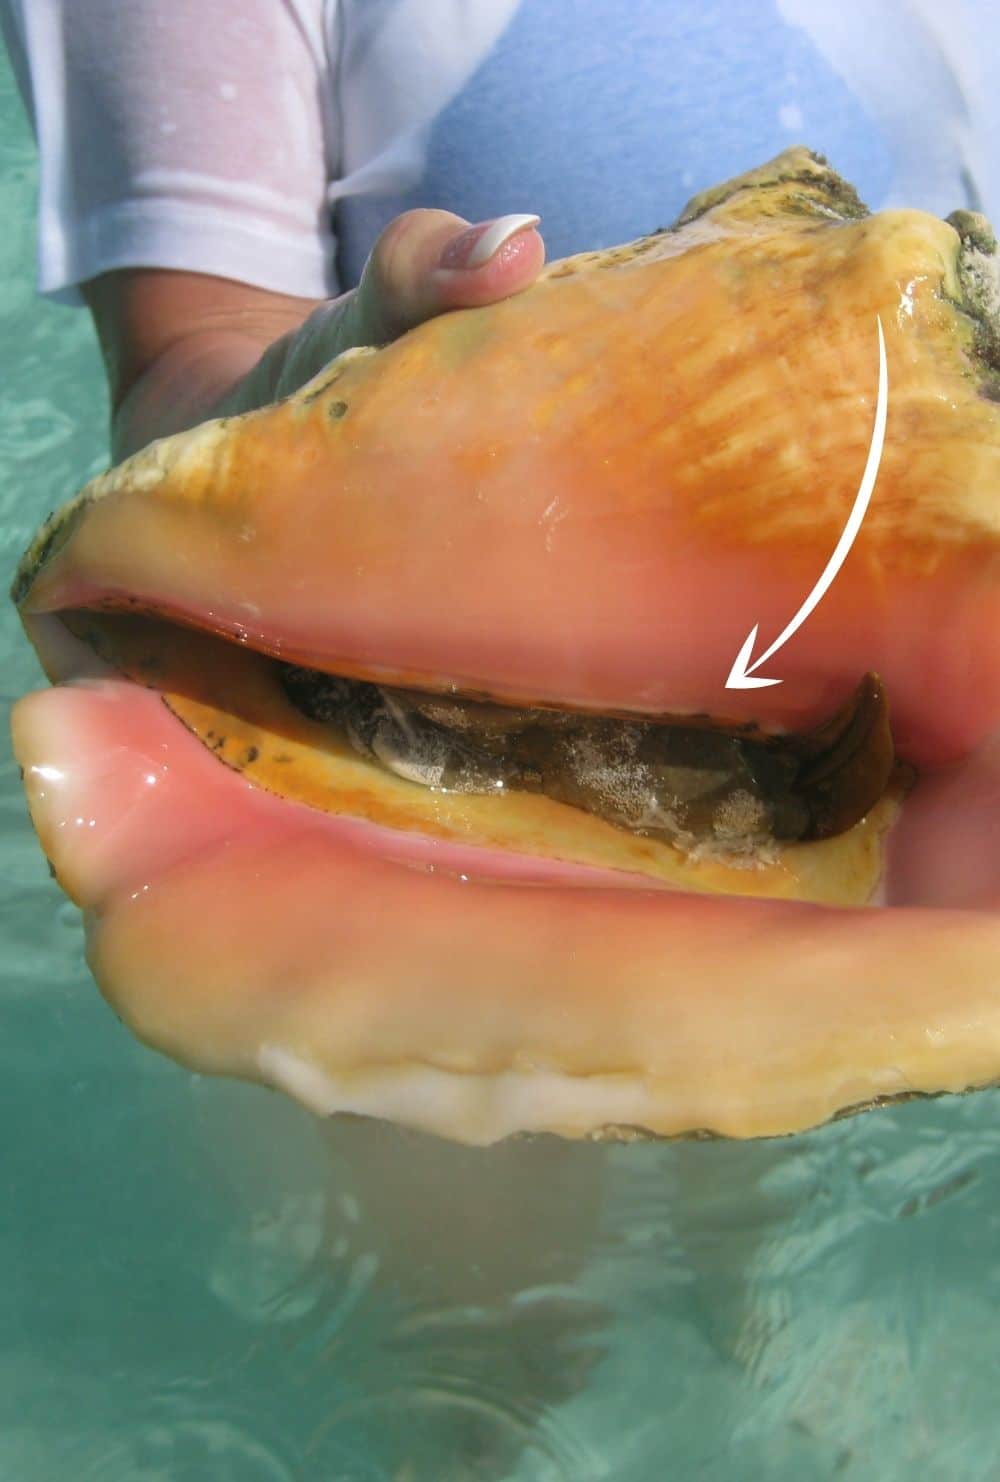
[(589, 493)]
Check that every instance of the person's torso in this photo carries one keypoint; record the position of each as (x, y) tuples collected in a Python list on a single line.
[(605, 116)]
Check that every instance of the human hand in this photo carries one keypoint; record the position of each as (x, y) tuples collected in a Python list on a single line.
[(182, 347), (423, 264)]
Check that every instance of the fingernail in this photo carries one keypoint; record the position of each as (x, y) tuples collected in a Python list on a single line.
[(476, 246)]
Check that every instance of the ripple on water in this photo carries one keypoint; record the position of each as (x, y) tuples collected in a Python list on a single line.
[(31, 429), (263, 1265), (216, 1449)]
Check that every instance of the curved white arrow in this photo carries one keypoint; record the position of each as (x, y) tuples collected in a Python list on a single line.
[(741, 675)]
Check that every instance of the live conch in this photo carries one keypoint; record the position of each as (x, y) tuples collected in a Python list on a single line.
[(391, 755)]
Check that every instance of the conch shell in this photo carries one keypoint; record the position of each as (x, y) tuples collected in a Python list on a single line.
[(391, 757)]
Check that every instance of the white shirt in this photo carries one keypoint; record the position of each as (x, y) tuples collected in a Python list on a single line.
[(227, 136)]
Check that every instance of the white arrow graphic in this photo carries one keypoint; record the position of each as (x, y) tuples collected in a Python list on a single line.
[(741, 675)]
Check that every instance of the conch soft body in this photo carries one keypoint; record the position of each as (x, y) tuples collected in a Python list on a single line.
[(390, 754)]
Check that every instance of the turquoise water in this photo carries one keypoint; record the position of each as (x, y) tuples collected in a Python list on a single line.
[(200, 1283)]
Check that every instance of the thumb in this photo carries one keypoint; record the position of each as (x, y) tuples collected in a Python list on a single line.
[(427, 262), (423, 264)]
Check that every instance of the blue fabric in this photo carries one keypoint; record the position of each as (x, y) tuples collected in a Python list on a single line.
[(606, 116)]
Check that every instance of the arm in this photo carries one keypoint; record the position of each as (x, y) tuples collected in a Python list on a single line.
[(185, 157), (180, 347), (174, 344)]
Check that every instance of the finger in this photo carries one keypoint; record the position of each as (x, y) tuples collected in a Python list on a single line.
[(427, 262)]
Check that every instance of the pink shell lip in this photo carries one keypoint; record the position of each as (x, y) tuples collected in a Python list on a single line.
[(942, 852), (140, 750), (223, 922)]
